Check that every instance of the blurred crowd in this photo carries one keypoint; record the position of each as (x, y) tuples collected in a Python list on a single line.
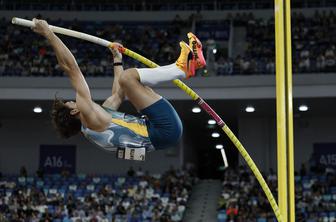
[(152, 5), (137, 197), (135, 5), (313, 45), (24, 53), (243, 201)]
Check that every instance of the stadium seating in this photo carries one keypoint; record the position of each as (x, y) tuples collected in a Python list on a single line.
[(89, 197), (31, 56), (315, 197), (314, 46)]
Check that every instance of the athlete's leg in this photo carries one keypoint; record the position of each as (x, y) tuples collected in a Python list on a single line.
[(154, 76), (184, 67), (139, 95), (190, 59), (133, 81)]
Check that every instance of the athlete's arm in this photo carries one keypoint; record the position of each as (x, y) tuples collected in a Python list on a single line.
[(69, 65), (118, 94)]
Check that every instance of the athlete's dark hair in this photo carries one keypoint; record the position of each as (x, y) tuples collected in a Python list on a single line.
[(66, 125)]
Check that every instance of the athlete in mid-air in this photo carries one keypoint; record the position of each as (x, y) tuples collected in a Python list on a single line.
[(103, 125)]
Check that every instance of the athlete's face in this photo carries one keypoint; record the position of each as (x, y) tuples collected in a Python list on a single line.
[(73, 106)]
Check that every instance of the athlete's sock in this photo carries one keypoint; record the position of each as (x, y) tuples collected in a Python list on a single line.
[(153, 76)]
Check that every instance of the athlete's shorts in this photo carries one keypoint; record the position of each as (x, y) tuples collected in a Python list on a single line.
[(163, 123)]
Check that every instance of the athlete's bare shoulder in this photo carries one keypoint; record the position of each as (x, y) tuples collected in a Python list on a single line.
[(98, 120)]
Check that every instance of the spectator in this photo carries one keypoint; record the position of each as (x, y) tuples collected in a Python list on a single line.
[(139, 172), (39, 173), (270, 66), (320, 63), (23, 171), (130, 172), (65, 172), (330, 59), (304, 64)]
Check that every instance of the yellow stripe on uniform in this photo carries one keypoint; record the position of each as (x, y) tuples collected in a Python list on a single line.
[(135, 127)]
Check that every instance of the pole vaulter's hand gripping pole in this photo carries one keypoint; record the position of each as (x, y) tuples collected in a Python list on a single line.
[(181, 85)]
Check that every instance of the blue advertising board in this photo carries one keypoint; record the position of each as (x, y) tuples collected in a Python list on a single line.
[(57, 158), (325, 154)]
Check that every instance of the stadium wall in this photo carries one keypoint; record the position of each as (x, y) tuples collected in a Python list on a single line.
[(229, 87), (259, 138)]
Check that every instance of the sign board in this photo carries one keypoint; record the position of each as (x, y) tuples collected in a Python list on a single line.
[(57, 158), (325, 154)]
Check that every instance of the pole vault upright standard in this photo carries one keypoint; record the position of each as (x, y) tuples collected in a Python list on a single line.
[(185, 88), (284, 107)]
